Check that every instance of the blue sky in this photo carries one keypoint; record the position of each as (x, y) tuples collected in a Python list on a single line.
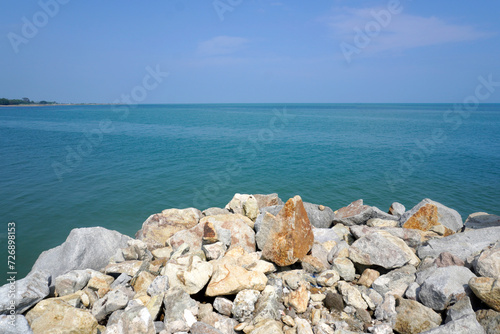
[(249, 50)]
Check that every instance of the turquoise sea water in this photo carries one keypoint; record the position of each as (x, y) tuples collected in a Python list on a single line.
[(64, 167)]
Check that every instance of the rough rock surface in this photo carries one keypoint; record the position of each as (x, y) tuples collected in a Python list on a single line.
[(413, 317), (287, 237), (487, 289), (29, 291), (357, 213), (482, 220), (320, 216), (16, 325), (85, 248)]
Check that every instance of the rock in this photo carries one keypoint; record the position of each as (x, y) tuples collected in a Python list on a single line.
[(395, 282), (214, 251), (413, 317), (114, 300), (299, 299), (71, 282), (345, 268), (175, 302), (464, 325), (142, 283), (303, 326), (242, 235), (412, 291), (269, 304), (490, 320), (320, 216), (134, 319), (158, 228), (427, 214), (446, 259), (229, 277), (158, 286), (287, 237), (377, 222), (382, 249), (244, 304), (274, 210), (328, 278), (386, 311), (215, 212), (56, 316), (412, 238), (85, 248), (312, 264), (245, 205), (352, 296), (482, 220), (154, 305), (445, 286), (488, 263), (137, 250), (368, 277), (130, 268), (462, 244), (162, 253), (461, 308), (223, 305), (28, 291), (340, 249), (202, 328), (397, 209), (356, 213), (487, 289), (382, 329), (334, 301), (188, 272), (14, 324), (267, 200), (268, 326), (220, 322)]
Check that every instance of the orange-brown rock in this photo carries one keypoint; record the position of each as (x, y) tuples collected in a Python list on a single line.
[(286, 237), (425, 219)]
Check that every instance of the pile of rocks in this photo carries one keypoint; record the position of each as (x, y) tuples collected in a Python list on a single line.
[(262, 266)]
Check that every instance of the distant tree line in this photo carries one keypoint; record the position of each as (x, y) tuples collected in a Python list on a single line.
[(24, 100)]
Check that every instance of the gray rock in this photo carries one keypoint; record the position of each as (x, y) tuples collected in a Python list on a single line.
[(268, 305), (397, 209), (446, 259), (134, 319), (462, 244), (446, 216), (322, 235), (71, 282), (244, 304), (396, 282), (223, 305), (382, 249), (464, 325), (271, 209), (341, 249), (386, 311), (412, 291), (28, 291), (15, 324), (352, 296), (488, 263), (123, 279), (112, 301), (345, 268), (356, 213), (85, 248), (202, 328), (490, 320), (411, 237), (175, 302), (445, 286), (482, 220), (320, 216), (334, 301), (461, 308)]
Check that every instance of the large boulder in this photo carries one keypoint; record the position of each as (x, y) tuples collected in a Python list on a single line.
[(242, 234), (462, 244), (85, 248), (268, 200), (357, 213), (320, 216), (429, 215), (56, 316), (158, 228), (444, 286), (487, 289), (481, 220), (28, 291), (488, 262), (382, 249), (286, 237)]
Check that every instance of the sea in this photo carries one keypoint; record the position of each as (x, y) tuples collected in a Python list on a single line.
[(66, 167)]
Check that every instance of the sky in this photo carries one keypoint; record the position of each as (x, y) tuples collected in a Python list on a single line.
[(249, 51)]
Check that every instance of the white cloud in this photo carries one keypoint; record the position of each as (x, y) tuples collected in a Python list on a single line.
[(403, 31), (222, 45)]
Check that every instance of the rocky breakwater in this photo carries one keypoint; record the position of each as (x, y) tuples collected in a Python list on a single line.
[(262, 266)]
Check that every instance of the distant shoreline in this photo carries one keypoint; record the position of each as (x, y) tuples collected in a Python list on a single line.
[(60, 104)]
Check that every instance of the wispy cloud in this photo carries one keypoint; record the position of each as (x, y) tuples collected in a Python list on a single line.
[(222, 45), (404, 31)]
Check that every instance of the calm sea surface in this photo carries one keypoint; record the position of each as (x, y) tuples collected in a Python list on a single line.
[(64, 167)]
